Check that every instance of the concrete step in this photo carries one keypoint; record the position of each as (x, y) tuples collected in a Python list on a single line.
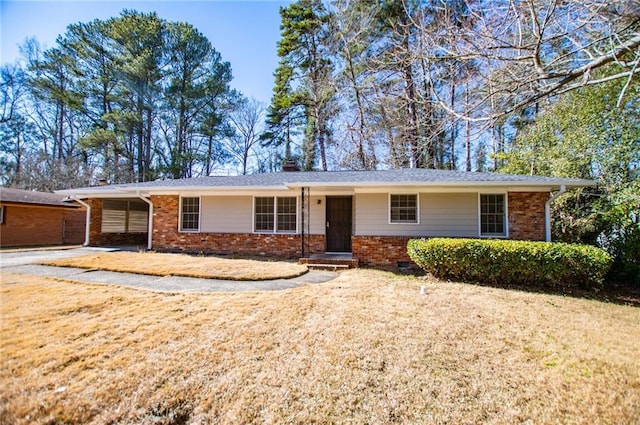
[(332, 267), (329, 263)]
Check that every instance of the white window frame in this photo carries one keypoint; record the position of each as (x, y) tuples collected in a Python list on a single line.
[(180, 228), (411, 223), (506, 217), (275, 216)]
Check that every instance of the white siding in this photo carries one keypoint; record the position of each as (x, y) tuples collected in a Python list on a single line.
[(234, 214), (226, 214), (441, 214), (318, 215)]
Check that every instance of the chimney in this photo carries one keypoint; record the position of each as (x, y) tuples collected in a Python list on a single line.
[(288, 166)]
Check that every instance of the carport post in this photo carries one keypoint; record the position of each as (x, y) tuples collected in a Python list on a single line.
[(547, 212), (87, 220), (150, 223)]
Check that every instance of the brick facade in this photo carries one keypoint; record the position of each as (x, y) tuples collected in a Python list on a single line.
[(29, 225), (380, 251), (166, 237), (526, 215), (97, 238)]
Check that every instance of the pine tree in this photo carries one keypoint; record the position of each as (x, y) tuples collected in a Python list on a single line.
[(301, 102)]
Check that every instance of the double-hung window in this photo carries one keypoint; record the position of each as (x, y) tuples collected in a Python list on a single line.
[(276, 214), (403, 208), (493, 211), (190, 214)]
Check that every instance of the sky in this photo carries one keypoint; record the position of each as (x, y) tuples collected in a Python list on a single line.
[(244, 32)]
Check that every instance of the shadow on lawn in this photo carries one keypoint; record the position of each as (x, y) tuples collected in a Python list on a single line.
[(612, 292)]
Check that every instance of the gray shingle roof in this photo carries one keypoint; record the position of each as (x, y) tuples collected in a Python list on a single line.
[(37, 198), (403, 177)]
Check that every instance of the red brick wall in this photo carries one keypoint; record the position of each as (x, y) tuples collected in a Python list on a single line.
[(31, 225), (74, 226), (380, 251), (95, 222), (97, 238), (166, 237), (526, 215), (165, 221)]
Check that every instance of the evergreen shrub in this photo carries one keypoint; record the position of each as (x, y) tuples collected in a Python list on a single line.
[(507, 262)]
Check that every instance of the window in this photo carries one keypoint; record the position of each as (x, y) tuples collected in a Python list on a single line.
[(124, 216), (264, 214), (276, 214), (493, 215), (190, 214), (403, 208), (286, 214), (2, 214)]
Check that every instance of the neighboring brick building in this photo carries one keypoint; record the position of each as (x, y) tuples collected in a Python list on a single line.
[(35, 218), (368, 214)]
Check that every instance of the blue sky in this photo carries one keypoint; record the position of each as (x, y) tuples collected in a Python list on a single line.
[(244, 32)]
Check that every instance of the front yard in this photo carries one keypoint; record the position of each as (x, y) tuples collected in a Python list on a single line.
[(364, 348), (210, 267)]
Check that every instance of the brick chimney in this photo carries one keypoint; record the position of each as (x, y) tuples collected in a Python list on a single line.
[(288, 166)]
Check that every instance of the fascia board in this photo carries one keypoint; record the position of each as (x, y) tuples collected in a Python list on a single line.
[(357, 186)]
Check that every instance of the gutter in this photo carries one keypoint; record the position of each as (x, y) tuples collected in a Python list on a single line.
[(87, 224), (150, 223), (547, 212)]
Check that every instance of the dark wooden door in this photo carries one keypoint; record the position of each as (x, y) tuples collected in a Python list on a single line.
[(338, 232)]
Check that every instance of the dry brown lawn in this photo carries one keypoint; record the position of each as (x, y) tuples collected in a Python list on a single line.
[(158, 264), (364, 348)]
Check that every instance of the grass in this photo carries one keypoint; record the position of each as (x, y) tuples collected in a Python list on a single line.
[(157, 264), (364, 348)]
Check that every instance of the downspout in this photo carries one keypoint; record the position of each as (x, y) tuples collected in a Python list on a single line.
[(547, 212), (87, 220), (303, 200), (150, 223)]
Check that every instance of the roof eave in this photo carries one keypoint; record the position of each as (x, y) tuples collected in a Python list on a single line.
[(116, 191), (567, 183)]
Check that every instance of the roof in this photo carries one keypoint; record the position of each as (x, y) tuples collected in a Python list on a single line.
[(334, 179), (20, 196)]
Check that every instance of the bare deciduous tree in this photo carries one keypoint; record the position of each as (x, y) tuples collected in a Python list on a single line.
[(248, 122), (533, 49)]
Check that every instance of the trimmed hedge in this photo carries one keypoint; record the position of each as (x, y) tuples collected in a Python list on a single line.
[(555, 265)]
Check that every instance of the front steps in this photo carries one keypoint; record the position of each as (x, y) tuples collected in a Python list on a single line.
[(330, 261)]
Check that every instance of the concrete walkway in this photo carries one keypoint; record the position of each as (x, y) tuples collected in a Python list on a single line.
[(22, 262)]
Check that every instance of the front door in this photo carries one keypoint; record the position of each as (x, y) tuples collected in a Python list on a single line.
[(338, 232)]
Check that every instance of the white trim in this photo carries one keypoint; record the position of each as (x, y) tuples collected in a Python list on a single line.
[(506, 216), (417, 195), (331, 187), (547, 213), (180, 229), (445, 184), (87, 220), (149, 222)]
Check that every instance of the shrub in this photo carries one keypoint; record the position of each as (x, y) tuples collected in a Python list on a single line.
[(555, 265)]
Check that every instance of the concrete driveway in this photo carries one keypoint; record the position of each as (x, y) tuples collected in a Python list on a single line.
[(23, 261)]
